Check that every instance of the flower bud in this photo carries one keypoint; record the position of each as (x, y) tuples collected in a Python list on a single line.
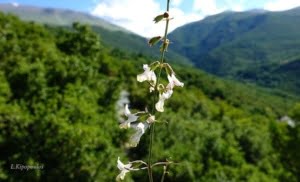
[(166, 15)]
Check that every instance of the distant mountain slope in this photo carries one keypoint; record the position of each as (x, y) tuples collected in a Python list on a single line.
[(112, 35), (234, 43), (53, 16)]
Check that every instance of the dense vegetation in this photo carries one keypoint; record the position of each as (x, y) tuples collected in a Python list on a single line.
[(112, 35), (251, 45), (58, 94)]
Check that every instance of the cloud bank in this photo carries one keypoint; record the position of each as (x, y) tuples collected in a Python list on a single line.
[(280, 5), (137, 15)]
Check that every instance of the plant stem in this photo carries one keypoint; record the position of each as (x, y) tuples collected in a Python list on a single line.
[(164, 174), (155, 96), (150, 153)]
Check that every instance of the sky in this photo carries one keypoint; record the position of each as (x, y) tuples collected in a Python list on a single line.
[(137, 15)]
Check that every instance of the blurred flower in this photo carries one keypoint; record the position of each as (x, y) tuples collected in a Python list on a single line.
[(130, 118), (173, 81), (162, 97), (140, 130), (151, 89), (148, 75), (151, 119), (124, 168)]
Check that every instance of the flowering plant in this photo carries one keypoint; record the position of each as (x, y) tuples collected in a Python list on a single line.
[(160, 92)]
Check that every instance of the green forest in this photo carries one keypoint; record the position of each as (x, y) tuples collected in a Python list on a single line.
[(59, 95)]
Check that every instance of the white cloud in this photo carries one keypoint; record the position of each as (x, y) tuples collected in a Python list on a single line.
[(207, 7), (280, 5), (15, 4), (176, 3), (134, 15), (137, 15), (235, 5), (181, 18)]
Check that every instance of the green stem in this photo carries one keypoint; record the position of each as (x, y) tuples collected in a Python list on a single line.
[(155, 97), (164, 174), (150, 153)]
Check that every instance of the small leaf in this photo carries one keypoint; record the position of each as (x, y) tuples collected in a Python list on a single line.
[(159, 18), (154, 40)]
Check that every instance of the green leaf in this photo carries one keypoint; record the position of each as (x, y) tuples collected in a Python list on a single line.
[(154, 40), (159, 18)]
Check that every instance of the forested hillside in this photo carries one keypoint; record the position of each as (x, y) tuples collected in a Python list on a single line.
[(58, 94), (247, 46), (112, 35)]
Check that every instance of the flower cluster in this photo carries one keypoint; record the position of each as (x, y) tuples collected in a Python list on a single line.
[(165, 92)]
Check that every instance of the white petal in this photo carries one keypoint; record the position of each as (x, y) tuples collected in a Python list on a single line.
[(146, 67), (153, 77), (162, 97), (124, 125), (142, 77), (160, 105), (167, 94), (151, 119), (173, 81), (121, 176), (140, 130), (148, 75), (141, 127), (122, 166), (127, 111), (151, 89), (130, 118)]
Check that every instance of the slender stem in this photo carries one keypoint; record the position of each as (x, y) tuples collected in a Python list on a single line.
[(139, 161), (155, 96), (150, 153), (163, 163), (164, 174)]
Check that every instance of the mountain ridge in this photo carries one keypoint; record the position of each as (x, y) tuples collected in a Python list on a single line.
[(113, 36), (232, 43), (61, 17)]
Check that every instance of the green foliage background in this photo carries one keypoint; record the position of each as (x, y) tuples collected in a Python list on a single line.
[(58, 94)]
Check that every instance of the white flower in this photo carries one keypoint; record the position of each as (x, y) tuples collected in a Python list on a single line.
[(140, 130), (151, 119), (173, 81), (130, 118), (162, 97), (124, 168), (151, 89), (148, 75)]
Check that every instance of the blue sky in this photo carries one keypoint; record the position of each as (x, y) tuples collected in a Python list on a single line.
[(137, 15)]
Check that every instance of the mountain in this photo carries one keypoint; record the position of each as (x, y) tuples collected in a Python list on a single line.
[(251, 45), (112, 35), (62, 17)]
